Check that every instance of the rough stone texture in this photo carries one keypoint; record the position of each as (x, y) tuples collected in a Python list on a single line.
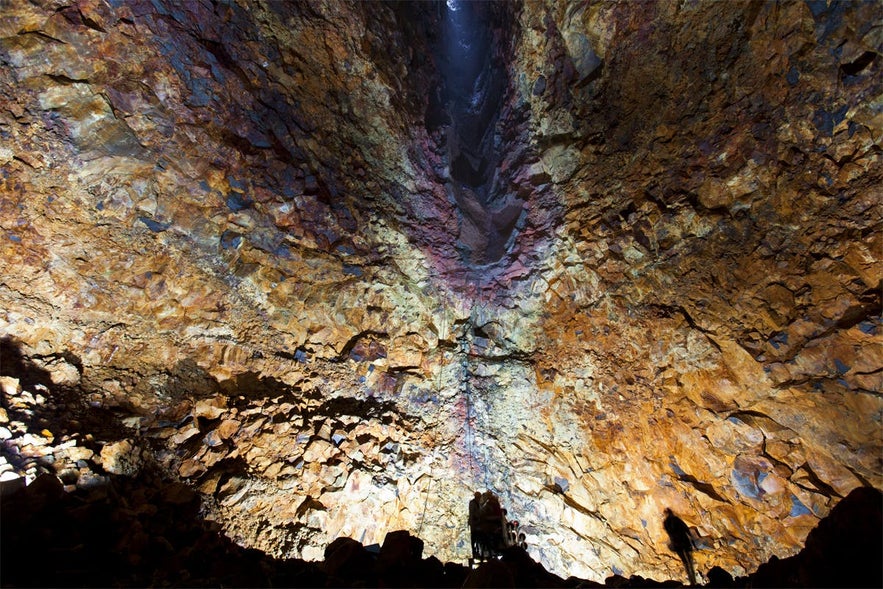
[(232, 229)]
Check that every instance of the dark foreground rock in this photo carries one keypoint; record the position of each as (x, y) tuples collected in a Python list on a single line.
[(144, 531), (844, 550)]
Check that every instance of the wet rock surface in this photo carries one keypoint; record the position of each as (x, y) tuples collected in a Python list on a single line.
[(233, 253)]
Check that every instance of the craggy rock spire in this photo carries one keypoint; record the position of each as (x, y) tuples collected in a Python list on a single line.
[(277, 247)]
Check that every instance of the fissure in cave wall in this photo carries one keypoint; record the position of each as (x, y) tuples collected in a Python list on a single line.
[(629, 260)]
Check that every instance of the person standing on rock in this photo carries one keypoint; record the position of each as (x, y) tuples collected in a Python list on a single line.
[(680, 542)]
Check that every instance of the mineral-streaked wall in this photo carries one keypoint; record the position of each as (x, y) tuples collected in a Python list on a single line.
[(231, 224)]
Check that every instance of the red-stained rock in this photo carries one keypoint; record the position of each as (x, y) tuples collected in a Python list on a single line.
[(232, 231)]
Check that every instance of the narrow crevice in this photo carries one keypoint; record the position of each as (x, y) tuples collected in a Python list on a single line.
[(472, 100)]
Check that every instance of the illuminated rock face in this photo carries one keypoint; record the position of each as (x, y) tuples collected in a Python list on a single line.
[(242, 228)]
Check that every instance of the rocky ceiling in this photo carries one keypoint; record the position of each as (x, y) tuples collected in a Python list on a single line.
[(338, 264)]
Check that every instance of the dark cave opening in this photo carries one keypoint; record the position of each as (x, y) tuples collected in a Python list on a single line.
[(472, 56)]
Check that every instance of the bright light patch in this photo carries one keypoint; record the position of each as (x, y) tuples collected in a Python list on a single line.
[(453, 5)]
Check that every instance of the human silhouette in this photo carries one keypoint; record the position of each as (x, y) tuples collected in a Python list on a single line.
[(680, 541), (492, 523), (474, 519)]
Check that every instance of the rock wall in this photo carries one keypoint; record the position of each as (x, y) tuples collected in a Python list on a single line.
[(233, 228)]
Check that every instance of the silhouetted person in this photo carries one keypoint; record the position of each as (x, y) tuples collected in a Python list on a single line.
[(680, 541), (491, 524), (474, 520), (509, 533)]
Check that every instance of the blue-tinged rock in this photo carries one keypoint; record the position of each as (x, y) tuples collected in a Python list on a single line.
[(676, 467), (258, 139), (230, 240), (160, 7), (798, 508), (154, 225), (868, 327), (238, 201), (825, 121), (744, 484), (585, 60), (817, 7), (200, 92), (779, 339)]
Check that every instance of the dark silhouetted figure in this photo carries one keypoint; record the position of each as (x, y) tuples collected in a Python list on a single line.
[(474, 518), (492, 525), (680, 542)]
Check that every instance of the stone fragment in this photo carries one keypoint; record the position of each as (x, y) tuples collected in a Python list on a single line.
[(561, 162), (209, 459), (183, 435), (210, 408), (61, 371), (227, 428), (10, 386), (213, 439), (90, 480), (318, 451), (122, 458), (190, 468)]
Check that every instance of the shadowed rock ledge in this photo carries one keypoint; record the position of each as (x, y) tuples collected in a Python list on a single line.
[(334, 265), (143, 531)]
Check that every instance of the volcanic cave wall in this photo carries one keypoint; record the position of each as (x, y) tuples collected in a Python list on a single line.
[(237, 229)]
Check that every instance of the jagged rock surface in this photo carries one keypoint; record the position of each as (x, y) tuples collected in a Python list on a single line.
[(232, 229)]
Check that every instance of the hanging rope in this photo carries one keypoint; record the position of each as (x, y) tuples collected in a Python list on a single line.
[(445, 323), (438, 387), (426, 500), (467, 396)]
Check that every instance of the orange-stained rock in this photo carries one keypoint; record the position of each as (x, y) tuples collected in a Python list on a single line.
[(234, 230)]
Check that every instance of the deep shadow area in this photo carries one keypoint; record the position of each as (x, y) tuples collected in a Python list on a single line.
[(130, 532), (472, 57), (63, 411), (147, 531)]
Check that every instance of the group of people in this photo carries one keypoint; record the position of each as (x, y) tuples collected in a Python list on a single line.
[(490, 527), (492, 532)]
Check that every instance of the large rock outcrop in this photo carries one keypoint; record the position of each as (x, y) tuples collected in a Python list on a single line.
[(335, 276)]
